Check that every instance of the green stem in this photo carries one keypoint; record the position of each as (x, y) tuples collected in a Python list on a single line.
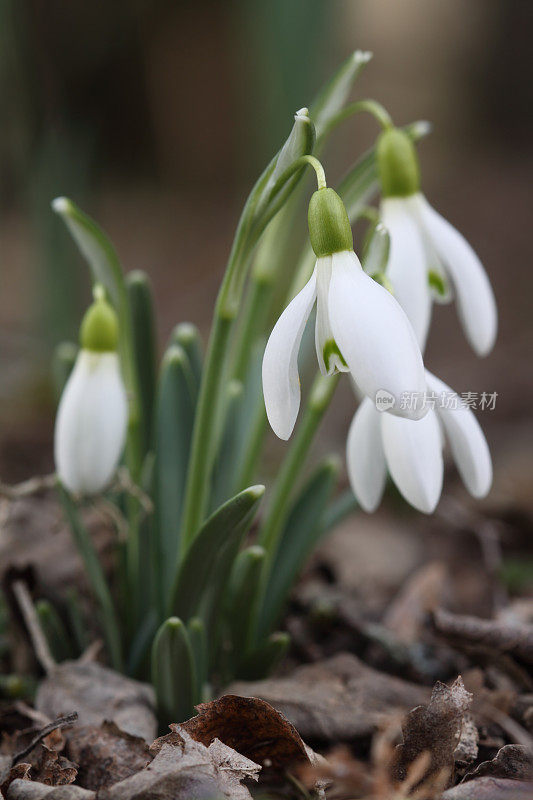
[(211, 397), (205, 425), (321, 393), (369, 106), (255, 314), (96, 577), (254, 448)]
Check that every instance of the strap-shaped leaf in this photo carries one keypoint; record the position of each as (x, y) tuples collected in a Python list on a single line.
[(62, 364), (199, 646), (302, 530), (174, 417), (54, 630), (211, 554), (173, 672), (334, 94), (226, 461), (187, 336), (244, 596), (144, 346), (265, 658)]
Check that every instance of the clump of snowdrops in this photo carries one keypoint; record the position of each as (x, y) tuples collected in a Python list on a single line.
[(204, 565)]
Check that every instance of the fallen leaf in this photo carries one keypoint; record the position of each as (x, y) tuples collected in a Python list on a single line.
[(490, 789), (28, 790), (250, 726), (53, 769), (512, 761), (504, 636), (187, 770), (467, 747), (435, 728), (98, 693), (338, 699), (420, 595), (106, 754)]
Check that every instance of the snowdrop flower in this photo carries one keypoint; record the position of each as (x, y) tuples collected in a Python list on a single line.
[(411, 451), (360, 327), (429, 259), (92, 417)]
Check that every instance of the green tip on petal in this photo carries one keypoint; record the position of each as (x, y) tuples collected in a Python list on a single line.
[(329, 226), (99, 328), (398, 168)]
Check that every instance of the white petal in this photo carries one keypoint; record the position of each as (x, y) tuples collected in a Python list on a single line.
[(281, 384), (467, 442), (374, 335), (326, 347), (475, 300), (413, 452), (407, 268), (365, 458), (91, 423)]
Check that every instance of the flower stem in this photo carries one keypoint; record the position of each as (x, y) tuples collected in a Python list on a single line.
[(370, 106), (319, 399)]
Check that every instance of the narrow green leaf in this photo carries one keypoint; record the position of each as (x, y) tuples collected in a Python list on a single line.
[(334, 94), (76, 620), (144, 346), (205, 565), (265, 658), (226, 461), (63, 361), (198, 640), (174, 417), (343, 505), (96, 577), (54, 630), (300, 534), (95, 246), (244, 596), (173, 672), (187, 336)]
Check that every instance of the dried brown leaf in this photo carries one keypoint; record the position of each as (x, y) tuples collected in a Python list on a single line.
[(490, 789), (420, 595), (187, 770), (97, 694), (28, 790), (338, 699), (503, 636), (250, 726), (53, 769), (106, 754), (512, 761), (435, 728)]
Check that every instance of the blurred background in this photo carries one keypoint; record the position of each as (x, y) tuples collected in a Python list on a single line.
[(156, 115)]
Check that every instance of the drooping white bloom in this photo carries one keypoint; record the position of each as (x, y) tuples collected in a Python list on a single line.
[(92, 417), (411, 451), (360, 328), (426, 249), (429, 259)]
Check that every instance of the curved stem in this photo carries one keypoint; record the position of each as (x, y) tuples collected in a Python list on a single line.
[(372, 107)]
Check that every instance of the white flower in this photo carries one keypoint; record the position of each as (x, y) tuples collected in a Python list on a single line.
[(360, 328), (91, 423), (411, 451), (429, 259)]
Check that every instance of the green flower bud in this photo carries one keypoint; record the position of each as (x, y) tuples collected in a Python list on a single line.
[(99, 327), (397, 164), (329, 226)]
